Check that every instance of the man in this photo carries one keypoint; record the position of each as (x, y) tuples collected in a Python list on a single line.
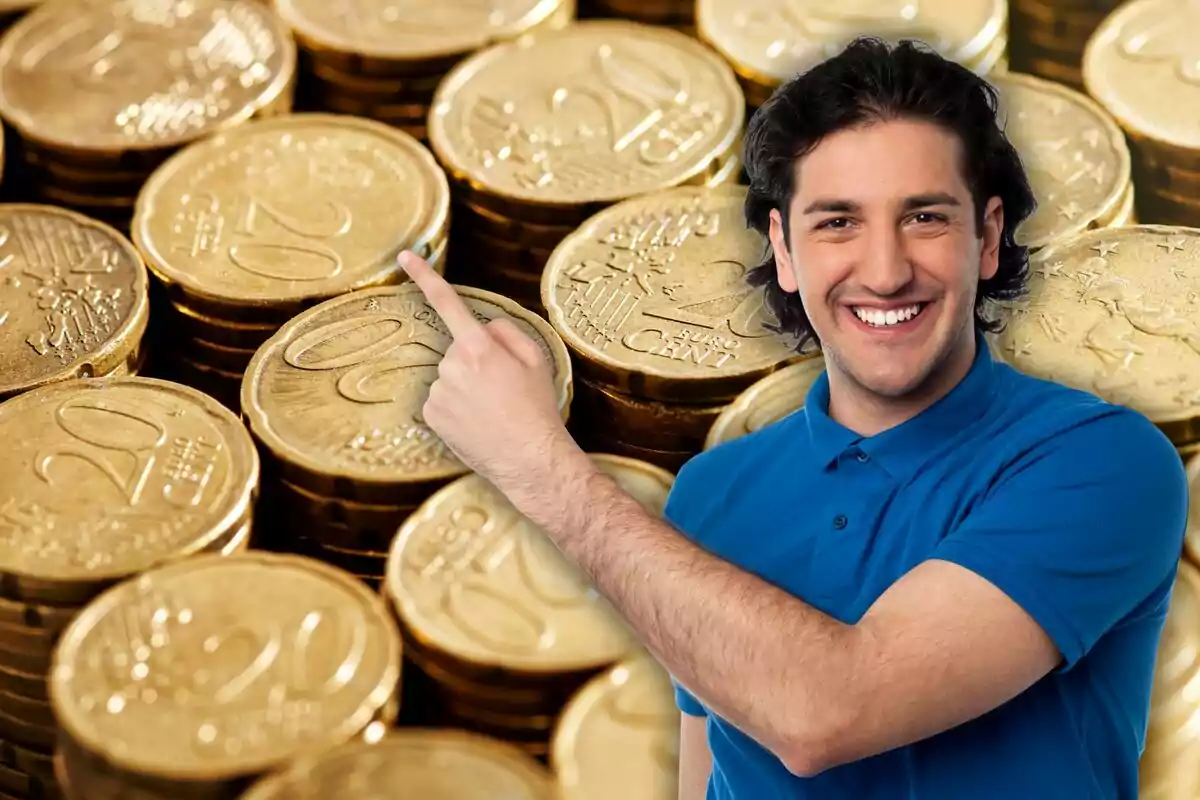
[(940, 578)]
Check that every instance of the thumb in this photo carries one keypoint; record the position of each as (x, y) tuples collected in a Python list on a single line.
[(516, 342)]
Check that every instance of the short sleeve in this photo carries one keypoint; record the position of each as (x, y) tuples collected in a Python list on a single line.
[(679, 511), (1081, 529)]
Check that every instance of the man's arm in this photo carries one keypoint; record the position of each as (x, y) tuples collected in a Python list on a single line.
[(695, 758), (945, 644)]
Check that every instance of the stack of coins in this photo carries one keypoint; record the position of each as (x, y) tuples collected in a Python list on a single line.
[(1075, 156), (1170, 763), (385, 60), (505, 629), (1152, 91), (619, 736), (424, 764), (1191, 544), (74, 301), (1112, 312), (767, 42), (766, 402), (100, 93), (1047, 37), (679, 14), (533, 152), (197, 678), (11, 11), (335, 398), (102, 479), (247, 228), (652, 299)]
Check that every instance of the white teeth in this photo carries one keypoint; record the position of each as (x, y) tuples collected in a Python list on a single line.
[(877, 317)]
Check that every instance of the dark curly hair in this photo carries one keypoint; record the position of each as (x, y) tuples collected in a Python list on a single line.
[(871, 80)]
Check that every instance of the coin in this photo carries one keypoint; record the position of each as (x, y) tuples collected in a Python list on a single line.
[(766, 402), (77, 75), (768, 41), (1137, 65), (105, 478), (651, 297), (626, 109), (74, 299), (1192, 540), (1113, 312), (222, 667), (425, 764), (284, 211), (415, 32), (472, 578), (619, 737), (1074, 153), (338, 391)]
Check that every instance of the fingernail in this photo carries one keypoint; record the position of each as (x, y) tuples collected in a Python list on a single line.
[(405, 258)]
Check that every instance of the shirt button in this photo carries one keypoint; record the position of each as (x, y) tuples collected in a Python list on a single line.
[(840, 521), (863, 458)]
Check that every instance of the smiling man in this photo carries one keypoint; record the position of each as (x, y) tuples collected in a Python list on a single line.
[(940, 579)]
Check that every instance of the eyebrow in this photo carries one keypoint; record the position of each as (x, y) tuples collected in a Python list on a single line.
[(832, 206)]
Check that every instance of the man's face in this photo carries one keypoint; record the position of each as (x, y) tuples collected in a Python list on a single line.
[(885, 253)]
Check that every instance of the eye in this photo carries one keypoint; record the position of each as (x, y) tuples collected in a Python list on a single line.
[(834, 223), (927, 218)]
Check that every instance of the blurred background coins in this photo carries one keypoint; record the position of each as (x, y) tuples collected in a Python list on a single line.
[(768, 41), (538, 134), (73, 302), (246, 228), (1075, 156), (1112, 312), (1170, 763), (504, 629), (334, 399), (197, 677), (1192, 541), (1140, 65), (766, 401), (383, 60), (679, 14), (99, 92), (102, 479), (619, 736), (11, 10), (422, 764), (1047, 37), (651, 297)]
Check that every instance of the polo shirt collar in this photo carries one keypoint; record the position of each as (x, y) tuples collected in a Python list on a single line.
[(904, 448)]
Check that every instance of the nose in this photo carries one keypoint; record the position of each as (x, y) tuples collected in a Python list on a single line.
[(885, 268)]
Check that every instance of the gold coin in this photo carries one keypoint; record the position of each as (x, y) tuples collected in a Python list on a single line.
[(74, 300), (1076, 156), (338, 391), (78, 75), (770, 41), (1173, 706), (651, 295), (619, 737), (105, 478), (287, 210), (1192, 540), (225, 666), (1139, 65), (472, 578), (1113, 312), (599, 111), (766, 402), (425, 764), (418, 31)]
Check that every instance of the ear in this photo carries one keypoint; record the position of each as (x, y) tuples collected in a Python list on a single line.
[(993, 226), (783, 259)]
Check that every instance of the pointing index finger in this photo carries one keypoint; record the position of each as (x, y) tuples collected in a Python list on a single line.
[(441, 295)]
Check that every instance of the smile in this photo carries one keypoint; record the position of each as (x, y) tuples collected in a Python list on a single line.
[(878, 318)]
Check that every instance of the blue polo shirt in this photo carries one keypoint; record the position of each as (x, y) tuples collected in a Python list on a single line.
[(1072, 506)]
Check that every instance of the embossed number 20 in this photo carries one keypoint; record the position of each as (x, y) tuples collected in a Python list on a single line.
[(304, 258), (101, 430)]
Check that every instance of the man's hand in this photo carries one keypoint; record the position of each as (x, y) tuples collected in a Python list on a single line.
[(493, 403)]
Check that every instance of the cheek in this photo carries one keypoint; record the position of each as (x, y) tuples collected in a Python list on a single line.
[(822, 266), (949, 260)]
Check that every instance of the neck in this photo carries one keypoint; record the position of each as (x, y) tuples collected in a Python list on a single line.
[(867, 413)]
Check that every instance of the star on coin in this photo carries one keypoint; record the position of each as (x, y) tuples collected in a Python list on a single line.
[(1050, 270), (1171, 246), (1092, 137), (1105, 249), (1071, 210)]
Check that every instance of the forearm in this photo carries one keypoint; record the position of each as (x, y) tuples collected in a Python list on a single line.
[(780, 670)]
